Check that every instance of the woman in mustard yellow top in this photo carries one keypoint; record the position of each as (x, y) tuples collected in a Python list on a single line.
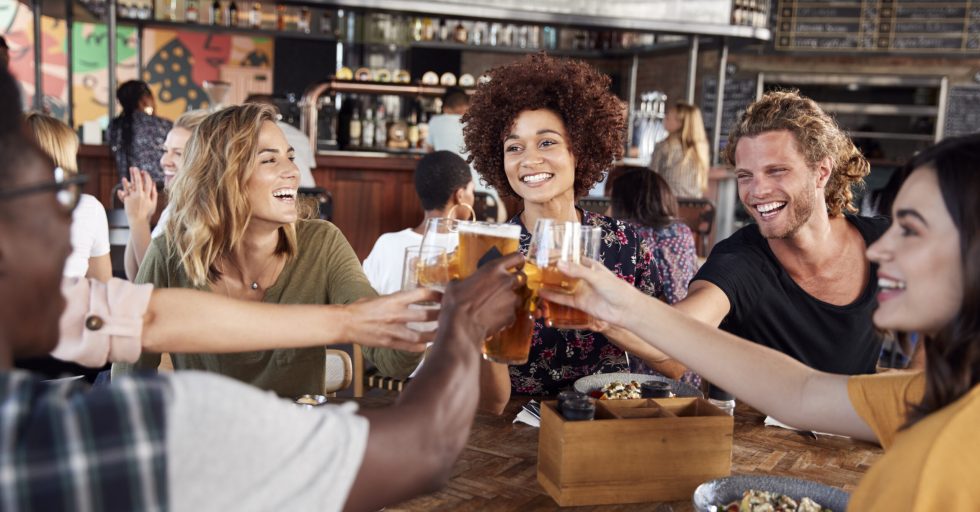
[(929, 281)]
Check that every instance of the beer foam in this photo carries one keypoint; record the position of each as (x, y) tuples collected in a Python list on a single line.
[(487, 229)]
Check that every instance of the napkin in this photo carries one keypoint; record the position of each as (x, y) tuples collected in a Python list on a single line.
[(530, 414), (773, 422)]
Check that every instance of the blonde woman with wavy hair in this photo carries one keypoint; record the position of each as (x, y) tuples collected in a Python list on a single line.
[(235, 230), (683, 158), (89, 226), (139, 193)]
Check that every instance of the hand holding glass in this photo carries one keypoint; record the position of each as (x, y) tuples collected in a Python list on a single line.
[(551, 243)]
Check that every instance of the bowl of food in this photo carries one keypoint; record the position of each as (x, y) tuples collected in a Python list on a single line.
[(624, 386), (311, 401), (749, 493)]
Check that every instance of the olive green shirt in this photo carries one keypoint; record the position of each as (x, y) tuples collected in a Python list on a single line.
[(324, 271)]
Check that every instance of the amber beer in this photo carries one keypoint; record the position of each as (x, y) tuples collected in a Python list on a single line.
[(558, 315), (480, 242)]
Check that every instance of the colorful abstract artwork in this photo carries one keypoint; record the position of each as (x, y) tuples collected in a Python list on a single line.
[(176, 63)]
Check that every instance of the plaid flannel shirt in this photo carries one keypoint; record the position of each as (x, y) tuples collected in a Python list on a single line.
[(64, 446)]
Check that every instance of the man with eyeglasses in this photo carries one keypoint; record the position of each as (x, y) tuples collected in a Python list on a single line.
[(193, 441)]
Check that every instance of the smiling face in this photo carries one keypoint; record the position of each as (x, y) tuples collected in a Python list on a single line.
[(920, 270), (173, 152), (538, 158), (775, 184), (272, 186)]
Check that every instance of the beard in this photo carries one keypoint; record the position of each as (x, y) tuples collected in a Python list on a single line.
[(798, 211)]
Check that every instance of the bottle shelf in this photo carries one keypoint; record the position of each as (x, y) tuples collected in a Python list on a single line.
[(206, 27)]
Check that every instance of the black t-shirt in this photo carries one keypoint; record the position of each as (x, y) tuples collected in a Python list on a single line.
[(769, 308)]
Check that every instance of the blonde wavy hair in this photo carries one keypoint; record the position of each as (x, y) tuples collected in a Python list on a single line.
[(56, 138), (209, 206), (817, 137), (191, 119), (693, 140)]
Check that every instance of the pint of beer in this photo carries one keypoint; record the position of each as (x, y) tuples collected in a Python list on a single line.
[(561, 241), (481, 242)]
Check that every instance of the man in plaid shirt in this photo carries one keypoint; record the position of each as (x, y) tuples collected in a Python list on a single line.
[(195, 441)]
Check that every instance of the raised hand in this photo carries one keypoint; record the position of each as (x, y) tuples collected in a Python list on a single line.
[(485, 302), (138, 195), (381, 322), (600, 293)]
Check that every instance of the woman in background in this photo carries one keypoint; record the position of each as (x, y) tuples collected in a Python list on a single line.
[(136, 135), (89, 226), (139, 194), (683, 157)]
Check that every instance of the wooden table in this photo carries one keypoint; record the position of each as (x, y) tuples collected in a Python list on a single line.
[(498, 469)]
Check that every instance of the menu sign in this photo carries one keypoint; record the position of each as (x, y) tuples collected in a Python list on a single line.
[(893, 26), (962, 111), (738, 95)]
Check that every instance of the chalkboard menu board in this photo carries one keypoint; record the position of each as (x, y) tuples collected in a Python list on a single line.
[(738, 95), (892, 26), (962, 111)]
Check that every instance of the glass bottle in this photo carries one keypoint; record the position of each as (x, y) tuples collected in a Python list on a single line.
[(326, 23), (428, 29), (423, 130), (721, 399), (460, 34), (255, 15), (413, 130), (355, 128), (417, 31), (443, 30), (232, 20), (280, 17), (217, 13), (380, 128), (190, 12), (303, 22), (367, 129)]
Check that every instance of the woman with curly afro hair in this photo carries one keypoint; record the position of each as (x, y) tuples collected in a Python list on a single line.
[(545, 130)]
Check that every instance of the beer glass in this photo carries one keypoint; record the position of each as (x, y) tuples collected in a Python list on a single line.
[(551, 243), (443, 232), (427, 267), (479, 243)]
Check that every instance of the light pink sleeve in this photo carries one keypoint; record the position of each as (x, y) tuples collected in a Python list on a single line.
[(102, 322)]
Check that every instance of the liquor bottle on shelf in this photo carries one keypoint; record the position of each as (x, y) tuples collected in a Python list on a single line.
[(423, 130), (191, 14), (460, 35), (380, 128), (232, 20), (326, 23), (255, 15), (417, 31), (171, 10), (367, 129), (428, 29), (280, 17), (413, 130), (550, 35), (217, 14), (303, 22), (523, 37), (495, 31), (443, 30), (479, 34), (355, 128)]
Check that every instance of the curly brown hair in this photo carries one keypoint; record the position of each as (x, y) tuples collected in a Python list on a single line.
[(817, 137), (594, 117)]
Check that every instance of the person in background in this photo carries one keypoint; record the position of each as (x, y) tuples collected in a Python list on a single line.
[(644, 199), (235, 230), (800, 268), (300, 142), (89, 226), (193, 441), (929, 273), (136, 135), (683, 158), (446, 134), (442, 181), (545, 130), (139, 194)]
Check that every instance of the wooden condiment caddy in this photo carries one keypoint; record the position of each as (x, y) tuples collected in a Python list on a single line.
[(634, 451)]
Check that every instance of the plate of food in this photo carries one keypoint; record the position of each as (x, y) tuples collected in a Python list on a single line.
[(748, 493), (627, 385)]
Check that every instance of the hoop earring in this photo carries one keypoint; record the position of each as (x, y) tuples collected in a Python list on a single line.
[(452, 210)]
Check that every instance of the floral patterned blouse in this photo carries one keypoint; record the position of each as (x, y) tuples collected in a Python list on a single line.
[(675, 261), (559, 357), (146, 145)]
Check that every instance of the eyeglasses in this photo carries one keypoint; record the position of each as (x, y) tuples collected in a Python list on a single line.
[(67, 190)]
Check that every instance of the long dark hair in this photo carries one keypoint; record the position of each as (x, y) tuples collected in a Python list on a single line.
[(643, 197), (129, 95), (953, 355)]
